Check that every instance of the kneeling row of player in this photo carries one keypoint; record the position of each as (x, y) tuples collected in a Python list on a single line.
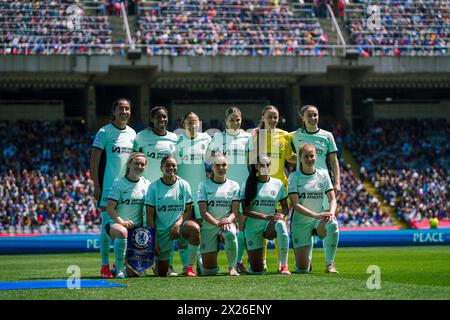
[(168, 203)]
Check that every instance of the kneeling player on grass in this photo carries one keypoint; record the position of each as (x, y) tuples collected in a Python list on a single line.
[(218, 200), (261, 195), (125, 207), (307, 189), (169, 210)]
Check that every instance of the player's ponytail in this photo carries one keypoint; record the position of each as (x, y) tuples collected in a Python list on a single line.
[(251, 185)]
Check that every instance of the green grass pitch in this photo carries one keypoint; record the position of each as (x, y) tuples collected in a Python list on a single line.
[(406, 273)]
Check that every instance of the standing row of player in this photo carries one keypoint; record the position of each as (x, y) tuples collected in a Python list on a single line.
[(250, 162)]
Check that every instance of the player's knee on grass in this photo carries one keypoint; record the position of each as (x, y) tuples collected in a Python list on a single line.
[(252, 272), (162, 268), (210, 272), (299, 270), (256, 261), (302, 260)]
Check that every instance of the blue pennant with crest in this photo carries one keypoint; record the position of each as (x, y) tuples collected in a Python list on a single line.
[(141, 248)]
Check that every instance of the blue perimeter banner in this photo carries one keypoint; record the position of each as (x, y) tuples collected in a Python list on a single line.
[(90, 243)]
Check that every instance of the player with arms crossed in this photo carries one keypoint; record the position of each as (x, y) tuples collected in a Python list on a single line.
[(326, 150), (169, 211), (308, 187), (111, 148), (125, 207)]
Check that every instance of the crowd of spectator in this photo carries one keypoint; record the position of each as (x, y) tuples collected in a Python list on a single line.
[(408, 161), (36, 202), (46, 27), (401, 27), (356, 206), (45, 184), (228, 27)]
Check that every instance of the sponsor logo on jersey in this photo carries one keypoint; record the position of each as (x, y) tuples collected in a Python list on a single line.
[(117, 149)]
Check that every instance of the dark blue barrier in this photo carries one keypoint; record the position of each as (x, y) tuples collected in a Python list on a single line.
[(90, 243)]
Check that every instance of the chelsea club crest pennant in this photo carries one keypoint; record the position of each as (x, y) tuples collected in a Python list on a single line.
[(140, 248)]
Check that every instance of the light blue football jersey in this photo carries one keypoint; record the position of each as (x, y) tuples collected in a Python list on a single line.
[(169, 201), (116, 145), (322, 140), (268, 195), (311, 190), (236, 149), (190, 155), (155, 147), (219, 197), (130, 197)]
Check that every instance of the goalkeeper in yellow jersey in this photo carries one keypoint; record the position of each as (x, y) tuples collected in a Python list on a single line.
[(276, 144)]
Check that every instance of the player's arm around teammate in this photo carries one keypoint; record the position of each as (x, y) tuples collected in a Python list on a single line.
[(169, 210), (260, 198), (218, 200), (307, 187), (125, 207)]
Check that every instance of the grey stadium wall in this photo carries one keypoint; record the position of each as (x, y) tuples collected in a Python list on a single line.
[(289, 74)]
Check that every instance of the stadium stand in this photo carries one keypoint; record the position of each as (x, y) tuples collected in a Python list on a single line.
[(408, 162), (356, 206), (228, 27), (403, 27), (43, 27)]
